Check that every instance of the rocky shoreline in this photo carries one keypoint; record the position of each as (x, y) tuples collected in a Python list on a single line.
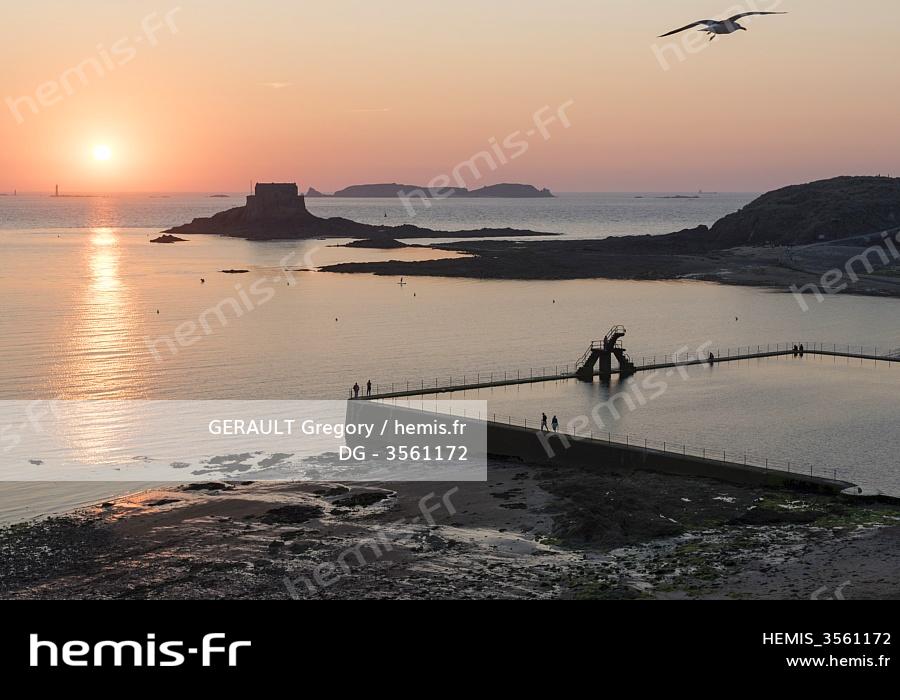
[(625, 259), (844, 229), (527, 533)]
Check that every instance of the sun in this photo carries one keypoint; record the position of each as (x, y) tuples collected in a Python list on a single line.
[(102, 152)]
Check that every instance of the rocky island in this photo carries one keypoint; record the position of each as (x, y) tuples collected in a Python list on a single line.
[(380, 243), (503, 190), (278, 211), (791, 236)]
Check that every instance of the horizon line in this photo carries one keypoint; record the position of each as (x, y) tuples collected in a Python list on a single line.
[(103, 193)]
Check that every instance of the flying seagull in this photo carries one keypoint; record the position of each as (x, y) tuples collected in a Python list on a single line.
[(720, 26)]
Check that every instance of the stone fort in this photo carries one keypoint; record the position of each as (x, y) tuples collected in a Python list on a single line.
[(275, 199)]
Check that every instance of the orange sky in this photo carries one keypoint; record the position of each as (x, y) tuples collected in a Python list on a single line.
[(396, 90)]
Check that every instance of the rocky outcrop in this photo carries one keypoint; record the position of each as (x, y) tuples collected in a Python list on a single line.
[(380, 243), (292, 515), (825, 210)]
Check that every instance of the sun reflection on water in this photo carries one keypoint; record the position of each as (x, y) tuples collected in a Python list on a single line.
[(103, 236), (103, 262), (100, 358)]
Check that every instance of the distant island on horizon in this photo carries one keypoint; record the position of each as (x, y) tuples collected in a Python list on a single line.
[(393, 189)]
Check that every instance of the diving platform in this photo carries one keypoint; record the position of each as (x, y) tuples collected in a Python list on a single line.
[(600, 354)]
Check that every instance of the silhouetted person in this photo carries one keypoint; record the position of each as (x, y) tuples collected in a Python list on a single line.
[(544, 421), (369, 388), (712, 358), (555, 424), (356, 390), (801, 350), (796, 351)]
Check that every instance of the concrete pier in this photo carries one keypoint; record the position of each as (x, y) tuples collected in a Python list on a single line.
[(536, 447)]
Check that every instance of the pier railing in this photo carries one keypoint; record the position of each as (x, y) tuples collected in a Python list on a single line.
[(564, 370), (484, 378), (713, 454), (648, 361)]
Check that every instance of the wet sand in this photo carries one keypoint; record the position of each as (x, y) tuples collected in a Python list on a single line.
[(527, 533)]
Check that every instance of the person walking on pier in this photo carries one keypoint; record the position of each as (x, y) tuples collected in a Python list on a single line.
[(555, 424), (801, 350), (544, 422), (356, 390), (796, 351), (369, 388)]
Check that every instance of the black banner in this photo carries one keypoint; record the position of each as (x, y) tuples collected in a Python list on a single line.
[(647, 640)]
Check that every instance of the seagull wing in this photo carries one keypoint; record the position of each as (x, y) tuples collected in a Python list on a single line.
[(747, 14), (707, 22)]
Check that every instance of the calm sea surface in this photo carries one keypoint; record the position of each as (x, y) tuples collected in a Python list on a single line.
[(577, 215), (92, 310)]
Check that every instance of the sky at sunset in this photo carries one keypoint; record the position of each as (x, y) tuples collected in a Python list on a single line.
[(203, 95)]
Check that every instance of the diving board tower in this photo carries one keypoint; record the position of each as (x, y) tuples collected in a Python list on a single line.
[(601, 353)]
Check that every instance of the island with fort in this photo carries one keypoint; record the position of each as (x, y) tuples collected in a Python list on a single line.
[(278, 211), (799, 235)]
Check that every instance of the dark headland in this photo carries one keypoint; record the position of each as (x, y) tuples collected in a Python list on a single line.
[(278, 211), (789, 236), (503, 190)]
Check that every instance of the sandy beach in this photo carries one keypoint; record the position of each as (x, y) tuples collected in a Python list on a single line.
[(527, 533)]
